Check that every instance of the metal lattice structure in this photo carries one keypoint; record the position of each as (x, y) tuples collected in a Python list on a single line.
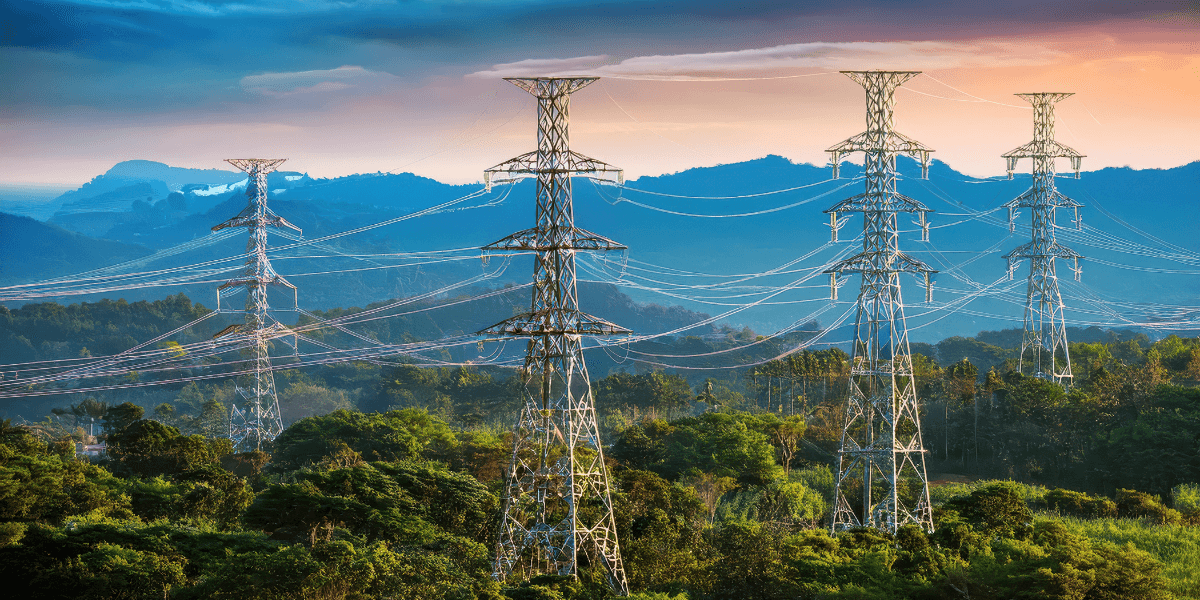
[(881, 455), (1044, 351), (258, 419), (556, 502)]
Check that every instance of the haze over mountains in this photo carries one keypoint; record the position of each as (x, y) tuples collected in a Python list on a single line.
[(685, 245)]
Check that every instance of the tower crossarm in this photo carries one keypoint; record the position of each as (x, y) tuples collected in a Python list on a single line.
[(1035, 250), (551, 87), (1043, 149), (578, 165), (554, 322), (881, 262), (1030, 199), (265, 165), (890, 201), (273, 279), (269, 332), (247, 218), (892, 142), (578, 239)]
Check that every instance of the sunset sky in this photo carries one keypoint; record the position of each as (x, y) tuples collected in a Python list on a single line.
[(341, 87)]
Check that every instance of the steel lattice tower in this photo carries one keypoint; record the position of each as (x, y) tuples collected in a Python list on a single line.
[(258, 420), (556, 496), (1045, 334), (881, 449)]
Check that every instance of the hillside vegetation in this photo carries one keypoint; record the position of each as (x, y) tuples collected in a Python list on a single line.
[(385, 482)]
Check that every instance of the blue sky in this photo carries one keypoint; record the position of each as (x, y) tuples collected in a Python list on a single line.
[(343, 87)]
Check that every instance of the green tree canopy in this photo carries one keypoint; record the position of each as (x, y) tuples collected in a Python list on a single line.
[(393, 435)]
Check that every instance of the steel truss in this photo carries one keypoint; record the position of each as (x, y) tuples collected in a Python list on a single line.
[(258, 419), (556, 495), (881, 455), (1044, 339)]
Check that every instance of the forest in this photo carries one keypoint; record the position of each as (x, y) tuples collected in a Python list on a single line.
[(386, 480)]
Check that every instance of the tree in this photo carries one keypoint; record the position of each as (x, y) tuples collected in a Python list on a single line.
[(654, 392), (397, 434), (118, 417), (790, 506), (786, 434), (724, 444), (41, 482), (213, 421), (709, 488), (148, 448), (751, 566), (995, 509)]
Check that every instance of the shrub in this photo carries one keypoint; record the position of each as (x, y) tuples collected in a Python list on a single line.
[(997, 509), (1079, 504), (1133, 504)]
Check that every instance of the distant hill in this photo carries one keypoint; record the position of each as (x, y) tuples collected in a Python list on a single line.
[(688, 233), (132, 180), (35, 250)]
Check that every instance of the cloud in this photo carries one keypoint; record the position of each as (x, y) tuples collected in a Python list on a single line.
[(556, 66), (307, 82), (783, 61), (217, 8)]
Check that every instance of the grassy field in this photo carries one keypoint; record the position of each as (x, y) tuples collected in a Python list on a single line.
[(1178, 547)]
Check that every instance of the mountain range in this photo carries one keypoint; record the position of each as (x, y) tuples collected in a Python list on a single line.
[(709, 240)]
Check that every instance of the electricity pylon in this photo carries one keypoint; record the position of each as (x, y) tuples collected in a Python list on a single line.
[(881, 450), (556, 495), (1045, 334), (258, 420)]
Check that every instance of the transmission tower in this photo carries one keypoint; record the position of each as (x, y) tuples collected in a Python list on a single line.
[(556, 495), (258, 419), (881, 455), (1045, 335)]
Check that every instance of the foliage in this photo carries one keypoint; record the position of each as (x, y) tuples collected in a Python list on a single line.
[(1185, 498), (785, 505), (1176, 546), (148, 448), (655, 392), (39, 482), (996, 509), (1079, 504), (729, 445), (728, 503), (1132, 504), (47, 331), (453, 394), (661, 528), (396, 434)]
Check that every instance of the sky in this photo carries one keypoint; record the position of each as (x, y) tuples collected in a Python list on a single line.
[(360, 86)]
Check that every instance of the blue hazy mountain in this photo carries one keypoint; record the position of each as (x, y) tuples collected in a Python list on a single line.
[(706, 239), (34, 251)]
